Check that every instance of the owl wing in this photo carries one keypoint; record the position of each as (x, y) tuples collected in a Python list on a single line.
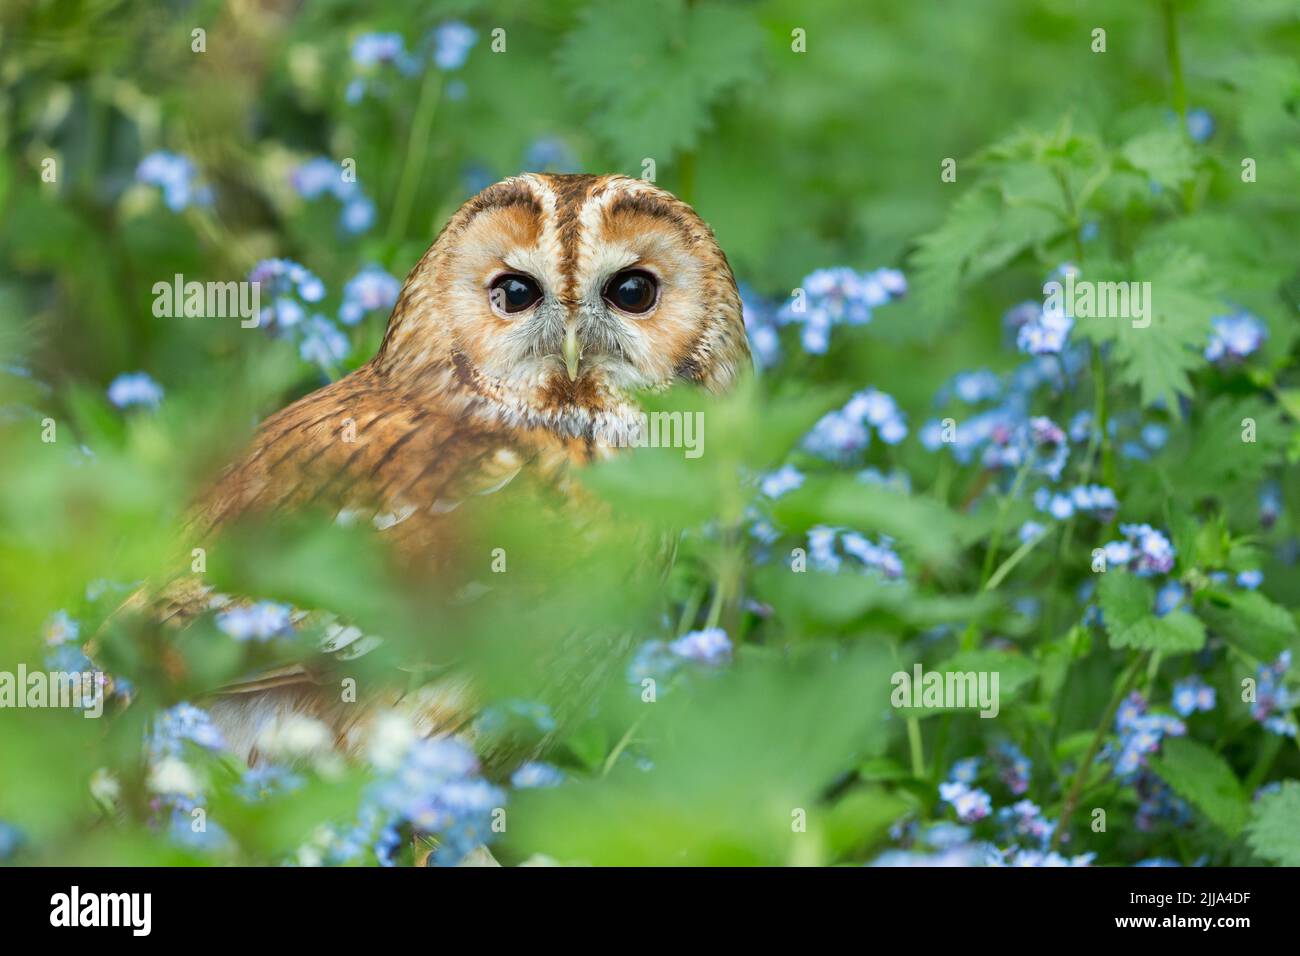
[(360, 450)]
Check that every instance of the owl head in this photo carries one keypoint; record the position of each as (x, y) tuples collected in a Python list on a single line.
[(551, 299)]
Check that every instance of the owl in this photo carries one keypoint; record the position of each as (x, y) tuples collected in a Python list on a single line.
[(517, 345)]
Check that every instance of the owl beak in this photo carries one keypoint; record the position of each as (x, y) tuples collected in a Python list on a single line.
[(572, 352)]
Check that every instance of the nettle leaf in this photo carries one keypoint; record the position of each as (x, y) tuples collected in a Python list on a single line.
[(986, 228), (1204, 779), (1213, 460), (1252, 622), (653, 79), (1163, 156), (1273, 832), (1126, 603), (1158, 357)]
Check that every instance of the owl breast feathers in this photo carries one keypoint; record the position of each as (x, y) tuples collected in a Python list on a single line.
[(517, 344)]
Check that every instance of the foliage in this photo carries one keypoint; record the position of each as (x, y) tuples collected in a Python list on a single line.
[(932, 466)]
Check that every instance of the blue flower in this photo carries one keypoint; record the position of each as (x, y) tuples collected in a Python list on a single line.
[(267, 780), (322, 343), (879, 557), (1169, 598), (321, 175), (68, 659), (358, 215), (372, 289), (1013, 767), (452, 42), (1192, 695), (965, 771), (839, 296), (372, 50), (1234, 337), (182, 724), (60, 628), (11, 840), (1250, 580), (785, 479), (1200, 125), (134, 388), (290, 287), (1045, 333), (760, 325), (973, 387), (970, 805), (550, 154), (516, 716), (259, 622), (536, 774), (176, 175), (1273, 699), (1270, 504), (1030, 530), (710, 646), (842, 434)]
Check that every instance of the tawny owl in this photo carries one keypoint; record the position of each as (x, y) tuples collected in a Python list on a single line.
[(517, 343)]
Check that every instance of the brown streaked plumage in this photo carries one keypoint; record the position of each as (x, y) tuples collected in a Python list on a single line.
[(461, 396)]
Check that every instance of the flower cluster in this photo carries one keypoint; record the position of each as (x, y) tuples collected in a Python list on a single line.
[(256, 622), (1096, 500), (842, 434), (177, 177), (828, 547), (374, 54), (1234, 338), (370, 290), (1140, 735), (1273, 699), (135, 388), (292, 289), (1039, 329), (970, 805), (1144, 551), (1013, 767), (321, 175), (1191, 695), (838, 296), (660, 661)]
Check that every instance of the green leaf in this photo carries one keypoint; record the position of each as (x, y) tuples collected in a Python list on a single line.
[(654, 79), (1158, 357), (1251, 621), (1274, 831), (1162, 155), (1126, 603), (1204, 779)]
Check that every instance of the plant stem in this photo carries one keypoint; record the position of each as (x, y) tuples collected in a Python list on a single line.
[(1178, 90), (1081, 775), (417, 146)]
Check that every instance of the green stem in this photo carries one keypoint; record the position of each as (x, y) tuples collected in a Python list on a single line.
[(417, 146), (915, 746), (1107, 718), (1178, 90)]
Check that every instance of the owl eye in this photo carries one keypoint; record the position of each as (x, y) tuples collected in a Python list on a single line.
[(632, 291), (513, 293)]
